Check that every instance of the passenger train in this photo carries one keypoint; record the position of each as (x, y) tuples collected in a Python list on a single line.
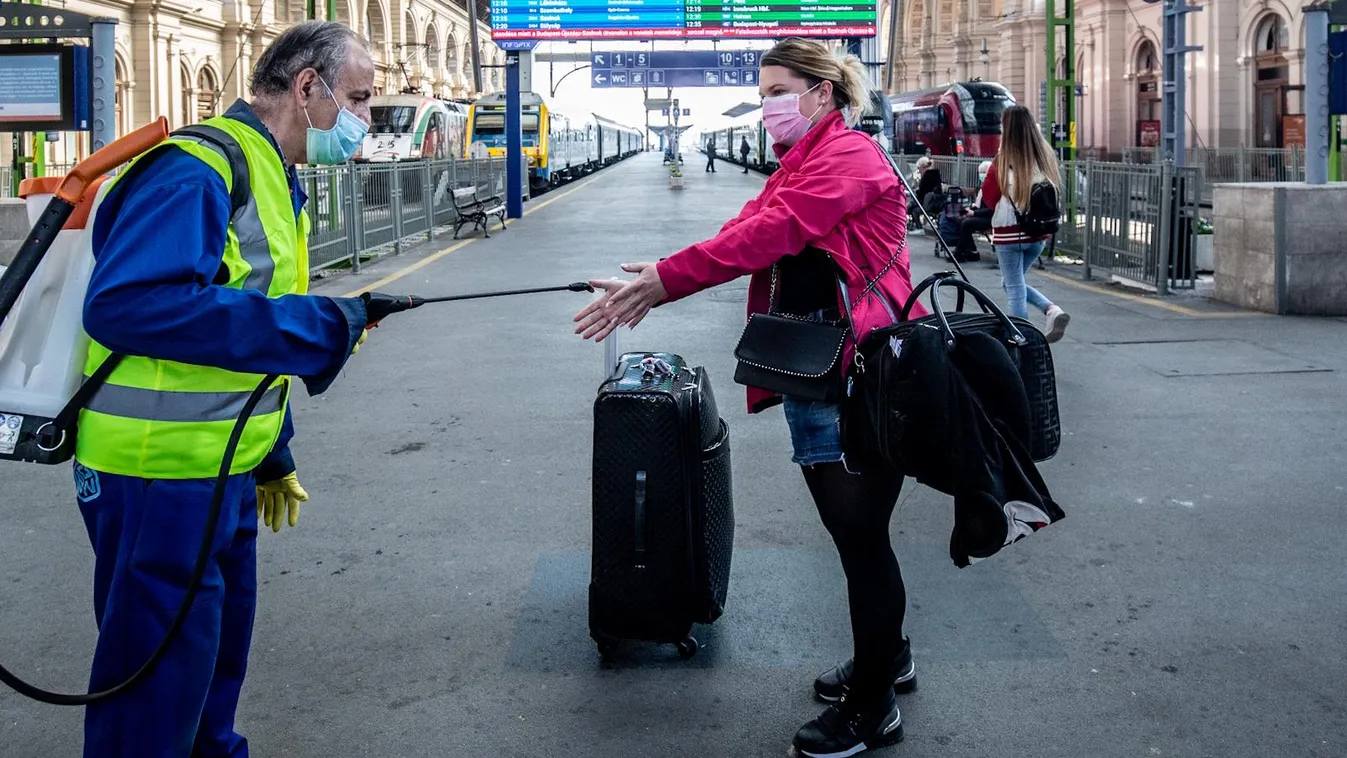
[(876, 121), (558, 148), (411, 126), (963, 118)]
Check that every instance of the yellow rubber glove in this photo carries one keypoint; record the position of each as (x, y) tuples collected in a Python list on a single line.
[(364, 334), (275, 499)]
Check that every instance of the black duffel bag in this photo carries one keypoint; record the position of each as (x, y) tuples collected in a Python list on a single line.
[(877, 418)]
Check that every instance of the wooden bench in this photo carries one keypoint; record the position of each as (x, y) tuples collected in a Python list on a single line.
[(477, 211)]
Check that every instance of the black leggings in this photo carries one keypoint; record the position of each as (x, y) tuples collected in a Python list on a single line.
[(855, 509)]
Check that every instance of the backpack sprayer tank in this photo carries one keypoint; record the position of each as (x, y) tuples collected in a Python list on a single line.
[(42, 341)]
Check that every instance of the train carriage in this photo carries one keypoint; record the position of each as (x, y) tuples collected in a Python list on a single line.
[(963, 118), (412, 127), (558, 148)]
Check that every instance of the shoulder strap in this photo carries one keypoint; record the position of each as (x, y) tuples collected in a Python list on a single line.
[(228, 147)]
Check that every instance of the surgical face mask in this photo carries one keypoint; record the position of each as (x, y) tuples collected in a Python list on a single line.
[(339, 144), (783, 120)]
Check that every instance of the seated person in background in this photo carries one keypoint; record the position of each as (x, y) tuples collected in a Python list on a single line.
[(977, 219), (928, 187)]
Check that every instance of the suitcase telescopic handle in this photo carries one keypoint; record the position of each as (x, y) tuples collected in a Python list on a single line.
[(640, 518)]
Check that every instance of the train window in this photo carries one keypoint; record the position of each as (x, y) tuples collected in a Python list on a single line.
[(435, 144), (392, 119)]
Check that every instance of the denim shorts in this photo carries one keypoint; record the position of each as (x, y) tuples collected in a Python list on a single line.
[(815, 430)]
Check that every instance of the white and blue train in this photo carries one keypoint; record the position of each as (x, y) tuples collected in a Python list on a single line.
[(559, 148)]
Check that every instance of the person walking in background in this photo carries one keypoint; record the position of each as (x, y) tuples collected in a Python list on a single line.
[(711, 155), (743, 153), (1023, 161)]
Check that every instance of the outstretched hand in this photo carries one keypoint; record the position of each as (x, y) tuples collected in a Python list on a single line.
[(623, 302)]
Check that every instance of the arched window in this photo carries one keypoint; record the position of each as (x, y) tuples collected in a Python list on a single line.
[(1147, 61), (121, 96), (1271, 36), (376, 31), (1149, 99), (433, 54), (188, 93), (1271, 79), (451, 54), (207, 100)]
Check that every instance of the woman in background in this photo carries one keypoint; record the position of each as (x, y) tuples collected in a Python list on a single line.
[(1023, 160)]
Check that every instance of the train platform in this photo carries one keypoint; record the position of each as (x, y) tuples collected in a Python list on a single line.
[(432, 600)]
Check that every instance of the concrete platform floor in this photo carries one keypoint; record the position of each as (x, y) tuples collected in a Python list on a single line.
[(431, 601)]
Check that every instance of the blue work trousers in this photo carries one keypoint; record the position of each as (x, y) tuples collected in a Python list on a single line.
[(146, 535)]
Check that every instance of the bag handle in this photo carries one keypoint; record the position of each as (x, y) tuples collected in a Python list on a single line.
[(928, 282), (1016, 336)]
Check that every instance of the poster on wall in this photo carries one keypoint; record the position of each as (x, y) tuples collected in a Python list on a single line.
[(1148, 133), (1293, 131)]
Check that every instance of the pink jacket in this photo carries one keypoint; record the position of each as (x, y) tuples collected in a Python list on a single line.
[(835, 191)]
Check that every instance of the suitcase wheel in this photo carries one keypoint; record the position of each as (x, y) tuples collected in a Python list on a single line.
[(606, 648), (687, 648)]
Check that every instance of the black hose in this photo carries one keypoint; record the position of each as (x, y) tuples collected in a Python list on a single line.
[(202, 560), (572, 287)]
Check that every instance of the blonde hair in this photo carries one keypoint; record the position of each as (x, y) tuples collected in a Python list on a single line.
[(1024, 151), (815, 63)]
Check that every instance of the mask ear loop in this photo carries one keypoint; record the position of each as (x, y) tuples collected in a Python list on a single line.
[(331, 96), (820, 105)]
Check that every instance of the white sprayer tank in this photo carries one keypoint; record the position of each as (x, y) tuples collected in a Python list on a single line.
[(42, 343)]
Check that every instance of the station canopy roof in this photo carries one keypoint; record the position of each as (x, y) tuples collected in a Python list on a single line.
[(741, 109)]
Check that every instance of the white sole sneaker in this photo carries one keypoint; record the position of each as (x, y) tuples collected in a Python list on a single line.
[(1057, 322)]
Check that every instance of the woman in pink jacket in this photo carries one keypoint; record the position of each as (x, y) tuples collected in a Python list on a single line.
[(834, 209)]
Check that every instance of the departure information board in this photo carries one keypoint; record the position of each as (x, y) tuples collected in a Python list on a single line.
[(679, 19)]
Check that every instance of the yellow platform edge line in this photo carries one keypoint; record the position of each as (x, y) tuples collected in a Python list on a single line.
[(1162, 304)]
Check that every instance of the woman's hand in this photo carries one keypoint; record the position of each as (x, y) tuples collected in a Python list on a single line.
[(623, 302)]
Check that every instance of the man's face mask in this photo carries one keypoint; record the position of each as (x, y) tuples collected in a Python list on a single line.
[(339, 144)]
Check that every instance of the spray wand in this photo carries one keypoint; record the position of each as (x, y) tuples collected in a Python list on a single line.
[(378, 305)]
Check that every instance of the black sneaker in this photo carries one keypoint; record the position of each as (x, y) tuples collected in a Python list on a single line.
[(843, 731), (832, 684)]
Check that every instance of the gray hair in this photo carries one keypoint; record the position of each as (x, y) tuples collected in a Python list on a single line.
[(320, 45)]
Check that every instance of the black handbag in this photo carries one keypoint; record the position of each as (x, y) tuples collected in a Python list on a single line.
[(1027, 346), (791, 354)]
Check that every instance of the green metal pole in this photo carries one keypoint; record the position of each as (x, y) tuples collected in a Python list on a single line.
[(331, 10), (1335, 167), (1064, 83), (1050, 73)]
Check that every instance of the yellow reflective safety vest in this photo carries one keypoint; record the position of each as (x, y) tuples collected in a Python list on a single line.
[(160, 419)]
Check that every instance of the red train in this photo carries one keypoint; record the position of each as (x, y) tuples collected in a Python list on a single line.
[(962, 118)]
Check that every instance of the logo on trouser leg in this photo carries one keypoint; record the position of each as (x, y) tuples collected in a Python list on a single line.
[(86, 484)]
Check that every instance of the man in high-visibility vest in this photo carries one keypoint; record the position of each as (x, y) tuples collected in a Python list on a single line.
[(204, 296)]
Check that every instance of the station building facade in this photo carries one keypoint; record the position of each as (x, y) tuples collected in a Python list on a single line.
[(1245, 88), (187, 60)]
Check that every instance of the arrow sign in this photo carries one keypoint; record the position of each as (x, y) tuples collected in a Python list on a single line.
[(600, 78), (600, 60)]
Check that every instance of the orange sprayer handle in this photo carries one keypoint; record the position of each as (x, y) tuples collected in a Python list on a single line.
[(111, 156)]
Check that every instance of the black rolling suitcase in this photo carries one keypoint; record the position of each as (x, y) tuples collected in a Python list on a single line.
[(663, 510)]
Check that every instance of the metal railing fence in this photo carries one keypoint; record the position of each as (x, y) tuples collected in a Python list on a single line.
[(1221, 165), (360, 211), (1133, 220)]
